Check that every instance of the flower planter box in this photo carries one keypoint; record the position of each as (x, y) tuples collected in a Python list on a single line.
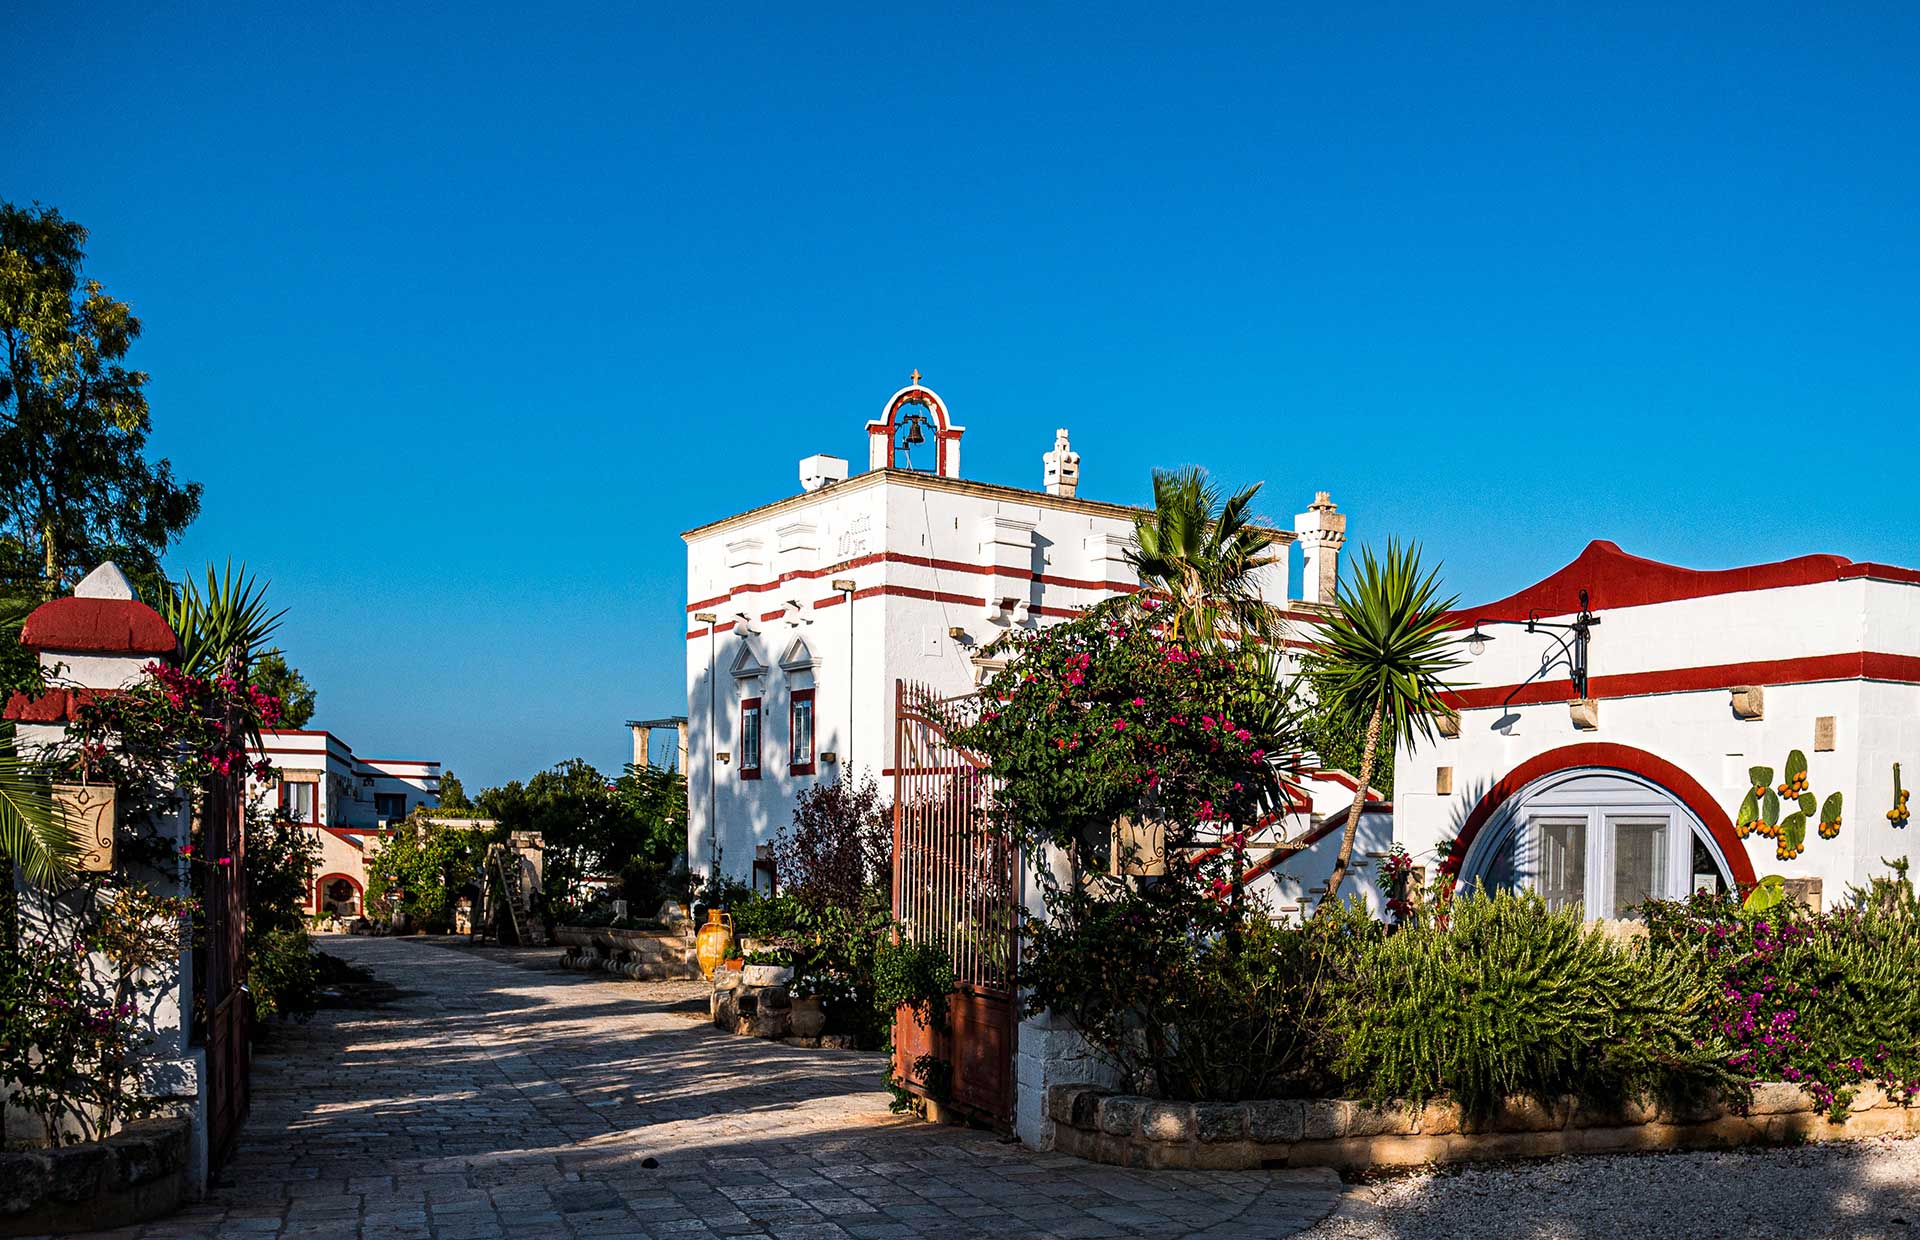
[(1130, 1131), (137, 1174)]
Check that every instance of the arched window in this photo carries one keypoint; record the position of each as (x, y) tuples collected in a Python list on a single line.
[(1602, 839)]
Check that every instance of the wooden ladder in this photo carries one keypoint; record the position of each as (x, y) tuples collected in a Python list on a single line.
[(527, 929)]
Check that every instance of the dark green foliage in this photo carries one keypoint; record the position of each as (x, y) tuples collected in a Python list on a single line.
[(913, 975), (76, 486), (453, 794), (272, 673), (281, 860), (635, 827), (1191, 997), (1510, 998), (431, 864)]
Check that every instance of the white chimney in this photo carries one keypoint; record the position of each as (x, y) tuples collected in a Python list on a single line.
[(1062, 466), (818, 471), (1322, 528)]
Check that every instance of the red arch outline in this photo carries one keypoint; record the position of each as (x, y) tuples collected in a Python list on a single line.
[(320, 888), (1626, 758)]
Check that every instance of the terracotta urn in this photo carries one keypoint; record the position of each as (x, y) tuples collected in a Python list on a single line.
[(714, 942), (809, 1016)]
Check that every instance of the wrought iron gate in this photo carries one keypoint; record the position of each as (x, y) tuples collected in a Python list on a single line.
[(226, 1006), (954, 887)]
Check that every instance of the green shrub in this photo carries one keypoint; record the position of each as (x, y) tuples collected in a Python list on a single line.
[(912, 975), (283, 975), (1190, 997), (1510, 998)]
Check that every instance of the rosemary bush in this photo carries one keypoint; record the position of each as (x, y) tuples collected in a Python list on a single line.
[(1511, 998)]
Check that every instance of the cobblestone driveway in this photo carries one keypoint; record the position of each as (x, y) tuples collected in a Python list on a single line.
[(495, 1100)]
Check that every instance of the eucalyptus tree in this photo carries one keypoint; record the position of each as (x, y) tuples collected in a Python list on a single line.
[(76, 486), (1382, 657)]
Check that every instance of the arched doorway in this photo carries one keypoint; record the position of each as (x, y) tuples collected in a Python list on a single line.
[(337, 895), (1603, 826)]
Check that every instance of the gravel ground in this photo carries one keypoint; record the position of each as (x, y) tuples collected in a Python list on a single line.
[(1866, 1189)]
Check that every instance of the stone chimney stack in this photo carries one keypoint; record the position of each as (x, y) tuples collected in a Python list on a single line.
[(1322, 528), (1062, 466)]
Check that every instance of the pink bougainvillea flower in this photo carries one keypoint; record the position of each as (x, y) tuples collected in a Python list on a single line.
[(1119, 725)]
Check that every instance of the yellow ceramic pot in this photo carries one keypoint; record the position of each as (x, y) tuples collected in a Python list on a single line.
[(714, 941)]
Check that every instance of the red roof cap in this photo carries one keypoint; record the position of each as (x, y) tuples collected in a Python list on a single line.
[(1614, 578), (98, 626)]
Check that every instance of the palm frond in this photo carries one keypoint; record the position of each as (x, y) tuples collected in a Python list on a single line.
[(1205, 554), (1389, 645), (34, 837)]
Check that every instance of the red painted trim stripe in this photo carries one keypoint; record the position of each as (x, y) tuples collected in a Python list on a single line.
[(1858, 665), (912, 561)]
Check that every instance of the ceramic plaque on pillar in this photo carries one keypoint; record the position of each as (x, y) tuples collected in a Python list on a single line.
[(1139, 848), (88, 812)]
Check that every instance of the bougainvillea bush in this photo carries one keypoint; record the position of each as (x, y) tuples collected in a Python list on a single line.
[(1824, 1000), (1106, 716), (69, 1029)]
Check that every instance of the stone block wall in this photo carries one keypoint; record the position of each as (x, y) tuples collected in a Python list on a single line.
[(139, 1173), (1131, 1131)]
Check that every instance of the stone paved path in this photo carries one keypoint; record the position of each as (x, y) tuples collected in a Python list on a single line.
[(494, 1099)]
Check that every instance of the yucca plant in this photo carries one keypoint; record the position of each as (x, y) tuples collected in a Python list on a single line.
[(1205, 555), (1383, 657), (226, 621)]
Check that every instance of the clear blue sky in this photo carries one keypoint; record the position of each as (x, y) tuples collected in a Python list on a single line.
[(462, 317)]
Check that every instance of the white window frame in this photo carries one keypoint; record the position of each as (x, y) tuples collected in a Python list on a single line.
[(1602, 795)]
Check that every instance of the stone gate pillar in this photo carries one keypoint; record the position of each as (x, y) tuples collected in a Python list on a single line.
[(99, 640)]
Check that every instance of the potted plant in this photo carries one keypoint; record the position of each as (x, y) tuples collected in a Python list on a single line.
[(811, 993), (768, 968)]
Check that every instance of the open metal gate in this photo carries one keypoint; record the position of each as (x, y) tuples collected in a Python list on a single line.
[(954, 887), (226, 1006)]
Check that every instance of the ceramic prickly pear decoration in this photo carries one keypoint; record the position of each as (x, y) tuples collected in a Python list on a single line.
[(1792, 838), (1830, 817), (1796, 775), (1754, 810), (1899, 814)]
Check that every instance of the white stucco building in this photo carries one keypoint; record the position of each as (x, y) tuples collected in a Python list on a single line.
[(804, 612), (1695, 677), (346, 801)]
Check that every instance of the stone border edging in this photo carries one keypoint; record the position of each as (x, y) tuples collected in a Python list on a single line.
[(643, 955), (1128, 1131), (137, 1174)]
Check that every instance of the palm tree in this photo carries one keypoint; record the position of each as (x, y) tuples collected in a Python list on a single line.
[(33, 837), (1205, 555), (1384, 655)]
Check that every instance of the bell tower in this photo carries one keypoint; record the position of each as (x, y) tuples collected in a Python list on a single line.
[(914, 431)]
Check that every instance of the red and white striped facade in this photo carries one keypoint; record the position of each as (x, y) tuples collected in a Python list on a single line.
[(1825, 650), (347, 802), (939, 567)]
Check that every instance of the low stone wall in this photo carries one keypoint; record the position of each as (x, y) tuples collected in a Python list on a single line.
[(1129, 1131), (643, 955), (137, 1174)]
